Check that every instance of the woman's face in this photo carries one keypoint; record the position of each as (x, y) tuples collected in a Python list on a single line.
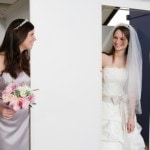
[(120, 42), (28, 42)]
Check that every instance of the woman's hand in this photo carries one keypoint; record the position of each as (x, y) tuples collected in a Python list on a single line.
[(6, 112), (130, 125)]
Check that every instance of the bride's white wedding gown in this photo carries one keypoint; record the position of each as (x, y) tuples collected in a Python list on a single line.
[(115, 113)]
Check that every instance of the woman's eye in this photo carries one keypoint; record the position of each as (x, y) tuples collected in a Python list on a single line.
[(122, 39)]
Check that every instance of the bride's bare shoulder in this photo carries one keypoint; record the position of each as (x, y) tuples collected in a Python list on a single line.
[(106, 56), (106, 59)]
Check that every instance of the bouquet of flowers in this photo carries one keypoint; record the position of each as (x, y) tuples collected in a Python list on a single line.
[(18, 96)]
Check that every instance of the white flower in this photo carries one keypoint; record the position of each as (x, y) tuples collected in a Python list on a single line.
[(24, 91)]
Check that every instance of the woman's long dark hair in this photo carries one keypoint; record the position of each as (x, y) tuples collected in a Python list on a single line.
[(126, 32), (15, 61)]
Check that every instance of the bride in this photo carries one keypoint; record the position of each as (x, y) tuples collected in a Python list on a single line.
[(121, 90)]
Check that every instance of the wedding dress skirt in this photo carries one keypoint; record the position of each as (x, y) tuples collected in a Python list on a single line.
[(115, 114)]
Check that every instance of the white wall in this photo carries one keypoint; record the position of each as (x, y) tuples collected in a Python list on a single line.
[(66, 65), (66, 69), (136, 4)]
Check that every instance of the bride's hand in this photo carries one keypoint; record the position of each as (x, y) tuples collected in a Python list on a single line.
[(130, 125), (6, 112)]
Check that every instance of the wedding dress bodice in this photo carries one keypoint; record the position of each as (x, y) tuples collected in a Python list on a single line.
[(114, 80)]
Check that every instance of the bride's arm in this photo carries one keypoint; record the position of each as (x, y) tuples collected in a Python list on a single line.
[(131, 113)]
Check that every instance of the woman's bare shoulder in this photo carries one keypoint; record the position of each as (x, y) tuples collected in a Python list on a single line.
[(1, 62), (106, 56), (106, 59)]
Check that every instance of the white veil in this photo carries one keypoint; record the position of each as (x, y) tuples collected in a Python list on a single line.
[(134, 67)]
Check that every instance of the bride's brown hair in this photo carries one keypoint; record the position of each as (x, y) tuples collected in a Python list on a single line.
[(126, 32)]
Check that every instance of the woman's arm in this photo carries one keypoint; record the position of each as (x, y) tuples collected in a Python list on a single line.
[(104, 60), (131, 118)]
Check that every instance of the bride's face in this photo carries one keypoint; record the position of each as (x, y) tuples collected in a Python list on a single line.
[(120, 42)]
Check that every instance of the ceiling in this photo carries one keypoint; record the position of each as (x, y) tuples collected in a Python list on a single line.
[(5, 5), (108, 13)]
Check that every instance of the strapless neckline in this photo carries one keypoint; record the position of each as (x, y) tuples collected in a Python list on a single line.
[(119, 68)]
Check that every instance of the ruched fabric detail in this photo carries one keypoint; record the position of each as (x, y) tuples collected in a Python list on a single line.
[(115, 114)]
